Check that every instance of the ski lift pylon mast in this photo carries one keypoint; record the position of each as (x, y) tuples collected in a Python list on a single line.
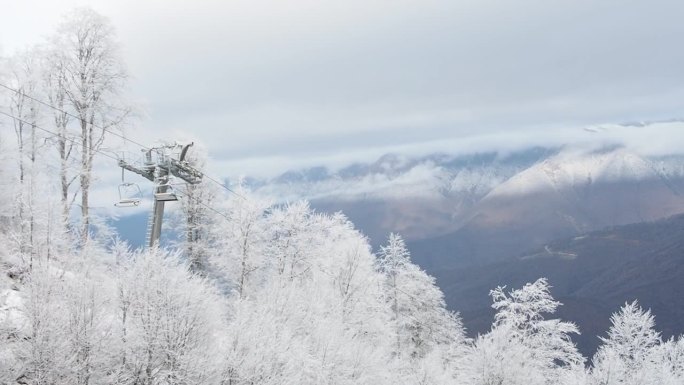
[(159, 171)]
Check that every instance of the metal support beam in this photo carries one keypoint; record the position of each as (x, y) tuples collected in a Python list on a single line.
[(147, 172), (159, 172), (157, 218)]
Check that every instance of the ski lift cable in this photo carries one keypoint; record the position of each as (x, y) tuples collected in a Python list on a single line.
[(22, 93), (54, 133), (183, 194), (215, 210), (19, 92), (74, 141), (123, 202), (224, 186)]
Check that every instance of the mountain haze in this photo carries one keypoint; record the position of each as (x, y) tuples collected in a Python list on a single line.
[(418, 197), (567, 194), (464, 209), (592, 274)]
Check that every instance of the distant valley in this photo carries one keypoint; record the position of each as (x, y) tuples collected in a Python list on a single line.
[(593, 275)]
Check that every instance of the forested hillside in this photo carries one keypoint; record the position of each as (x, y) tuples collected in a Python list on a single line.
[(265, 294), (285, 295)]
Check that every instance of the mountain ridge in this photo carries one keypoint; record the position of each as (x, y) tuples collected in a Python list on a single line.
[(437, 194)]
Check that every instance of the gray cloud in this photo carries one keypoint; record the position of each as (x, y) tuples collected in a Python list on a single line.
[(266, 83)]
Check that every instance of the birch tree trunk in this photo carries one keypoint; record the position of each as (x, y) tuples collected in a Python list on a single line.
[(90, 80)]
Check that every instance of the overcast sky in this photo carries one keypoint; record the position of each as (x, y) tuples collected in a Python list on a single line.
[(270, 84)]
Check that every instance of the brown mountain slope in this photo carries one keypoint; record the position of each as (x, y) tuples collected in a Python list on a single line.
[(593, 275)]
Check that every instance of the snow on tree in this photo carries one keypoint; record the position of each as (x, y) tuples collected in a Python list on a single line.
[(194, 219), (237, 234), (291, 242), (33, 230), (24, 78), (148, 321), (89, 68), (626, 355), (424, 329), (54, 83), (319, 294), (169, 322), (324, 310), (264, 350), (349, 317), (667, 362), (41, 340), (523, 347), (63, 338)]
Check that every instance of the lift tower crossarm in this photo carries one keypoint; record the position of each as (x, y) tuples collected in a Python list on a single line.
[(158, 171), (182, 170), (179, 169), (147, 173)]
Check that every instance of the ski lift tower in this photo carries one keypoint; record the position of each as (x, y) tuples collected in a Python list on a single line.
[(159, 165)]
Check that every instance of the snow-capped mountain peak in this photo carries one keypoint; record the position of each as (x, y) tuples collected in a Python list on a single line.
[(571, 169)]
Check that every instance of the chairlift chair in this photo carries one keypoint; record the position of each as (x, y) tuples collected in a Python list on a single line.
[(168, 195), (165, 196), (130, 194)]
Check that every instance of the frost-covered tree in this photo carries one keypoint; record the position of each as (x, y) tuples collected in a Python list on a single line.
[(667, 362), (319, 298), (169, 322), (63, 335), (195, 214), (86, 328), (54, 82), (42, 340), (24, 75), (238, 240), (424, 330), (627, 353), (264, 350), (34, 231), (91, 76), (292, 242), (523, 347)]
